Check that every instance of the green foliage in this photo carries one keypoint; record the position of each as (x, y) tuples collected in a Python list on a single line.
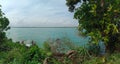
[(34, 54), (55, 61), (47, 46), (99, 19), (4, 22), (82, 54), (93, 49), (17, 53), (20, 54), (108, 59), (94, 60), (14, 55)]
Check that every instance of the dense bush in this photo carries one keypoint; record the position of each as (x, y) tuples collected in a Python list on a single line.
[(20, 54), (108, 59), (34, 54), (93, 49), (17, 53)]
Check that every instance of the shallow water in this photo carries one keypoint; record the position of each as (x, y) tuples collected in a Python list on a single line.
[(39, 35)]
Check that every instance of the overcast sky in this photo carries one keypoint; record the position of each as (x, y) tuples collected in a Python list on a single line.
[(38, 13)]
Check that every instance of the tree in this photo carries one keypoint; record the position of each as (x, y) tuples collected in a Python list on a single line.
[(4, 22), (99, 19)]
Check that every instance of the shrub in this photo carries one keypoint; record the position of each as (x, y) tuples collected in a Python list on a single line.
[(34, 54), (93, 49), (14, 55)]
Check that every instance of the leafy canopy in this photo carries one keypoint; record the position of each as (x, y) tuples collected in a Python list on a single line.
[(99, 19), (4, 22)]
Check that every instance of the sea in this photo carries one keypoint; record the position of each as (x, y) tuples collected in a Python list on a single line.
[(41, 34)]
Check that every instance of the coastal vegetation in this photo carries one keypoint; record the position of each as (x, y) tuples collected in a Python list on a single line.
[(98, 20), (19, 53)]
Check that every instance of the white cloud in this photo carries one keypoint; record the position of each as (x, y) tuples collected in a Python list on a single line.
[(38, 13)]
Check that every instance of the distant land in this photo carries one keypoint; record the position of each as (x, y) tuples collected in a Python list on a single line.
[(45, 27)]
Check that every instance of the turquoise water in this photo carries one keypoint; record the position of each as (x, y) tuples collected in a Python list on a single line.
[(39, 35)]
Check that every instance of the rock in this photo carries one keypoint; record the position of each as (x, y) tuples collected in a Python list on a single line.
[(33, 43), (70, 52), (58, 54), (46, 60)]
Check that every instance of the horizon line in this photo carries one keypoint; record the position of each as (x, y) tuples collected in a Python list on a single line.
[(45, 27)]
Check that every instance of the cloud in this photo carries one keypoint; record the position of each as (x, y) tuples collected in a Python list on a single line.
[(40, 13)]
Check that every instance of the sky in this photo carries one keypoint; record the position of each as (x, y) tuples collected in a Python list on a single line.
[(38, 13)]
